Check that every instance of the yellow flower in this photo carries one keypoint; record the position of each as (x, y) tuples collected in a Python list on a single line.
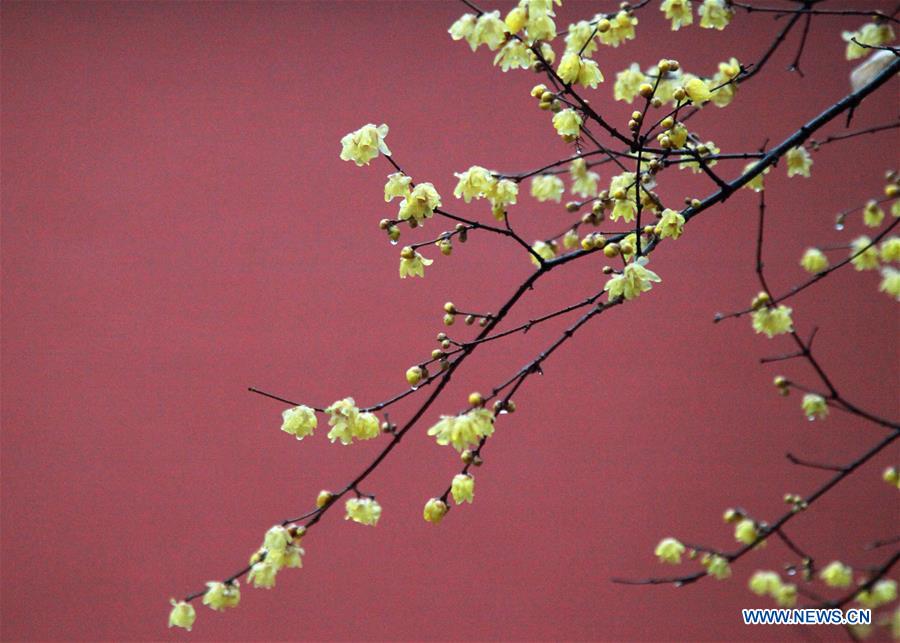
[(573, 69), (291, 557), (814, 260), (502, 193), (716, 566), (584, 182), (714, 14), (463, 488), (262, 574), (343, 418), (567, 123), (634, 280), (365, 511), (756, 183), (537, 8), (221, 595), (697, 91), (540, 28), (745, 532), (864, 259), (679, 12), (872, 214), (890, 282), (277, 539), (670, 225), (798, 161), (464, 430), (413, 265), (516, 19), (420, 204), (546, 250), (364, 144), (621, 28), (397, 185), (786, 595), (513, 55), (580, 38), (547, 187), (489, 30), (882, 592), (678, 135), (474, 183), (182, 615), (627, 83), (869, 34), (464, 28), (837, 574), (434, 511), (669, 551), (726, 90), (814, 406), (773, 321), (299, 421), (890, 249), (765, 582)]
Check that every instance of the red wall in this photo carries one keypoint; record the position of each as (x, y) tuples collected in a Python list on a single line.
[(177, 226)]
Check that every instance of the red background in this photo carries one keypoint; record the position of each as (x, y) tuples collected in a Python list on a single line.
[(177, 226)]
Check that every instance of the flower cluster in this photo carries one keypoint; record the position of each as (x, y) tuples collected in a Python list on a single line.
[(348, 422), (465, 430)]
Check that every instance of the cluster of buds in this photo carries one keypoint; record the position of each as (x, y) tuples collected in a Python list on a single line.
[(892, 188), (547, 100), (451, 313), (797, 502), (390, 226)]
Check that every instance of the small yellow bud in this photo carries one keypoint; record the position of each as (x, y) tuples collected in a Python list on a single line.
[(476, 399), (679, 94), (732, 515), (449, 319), (446, 344), (597, 207), (891, 190), (466, 456), (891, 475), (324, 498), (646, 90), (469, 320), (664, 67), (780, 381), (572, 206), (538, 90), (656, 102), (384, 224), (450, 308), (611, 250), (414, 375), (603, 26), (695, 203), (393, 233), (407, 252), (637, 116), (437, 353), (588, 242), (667, 123), (547, 97), (674, 65)]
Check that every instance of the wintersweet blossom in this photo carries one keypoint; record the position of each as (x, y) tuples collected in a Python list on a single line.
[(764, 583), (545, 250), (547, 187), (277, 539), (773, 321), (364, 144), (567, 123), (412, 264), (573, 69), (367, 426), (580, 38), (513, 55), (678, 11), (715, 14), (746, 532), (182, 615), (633, 280), (516, 19), (541, 27), (697, 90), (814, 406), (397, 186), (837, 574), (347, 422), (864, 253), (435, 510), (716, 566), (671, 224), (890, 282), (222, 595), (786, 595), (882, 592), (756, 183), (872, 34), (890, 249), (463, 488), (262, 574), (489, 30), (463, 431), (669, 551), (814, 260), (365, 511), (628, 83), (873, 215), (725, 89), (299, 421), (584, 182), (621, 28), (502, 193), (798, 161), (474, 183), (420, 203)]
